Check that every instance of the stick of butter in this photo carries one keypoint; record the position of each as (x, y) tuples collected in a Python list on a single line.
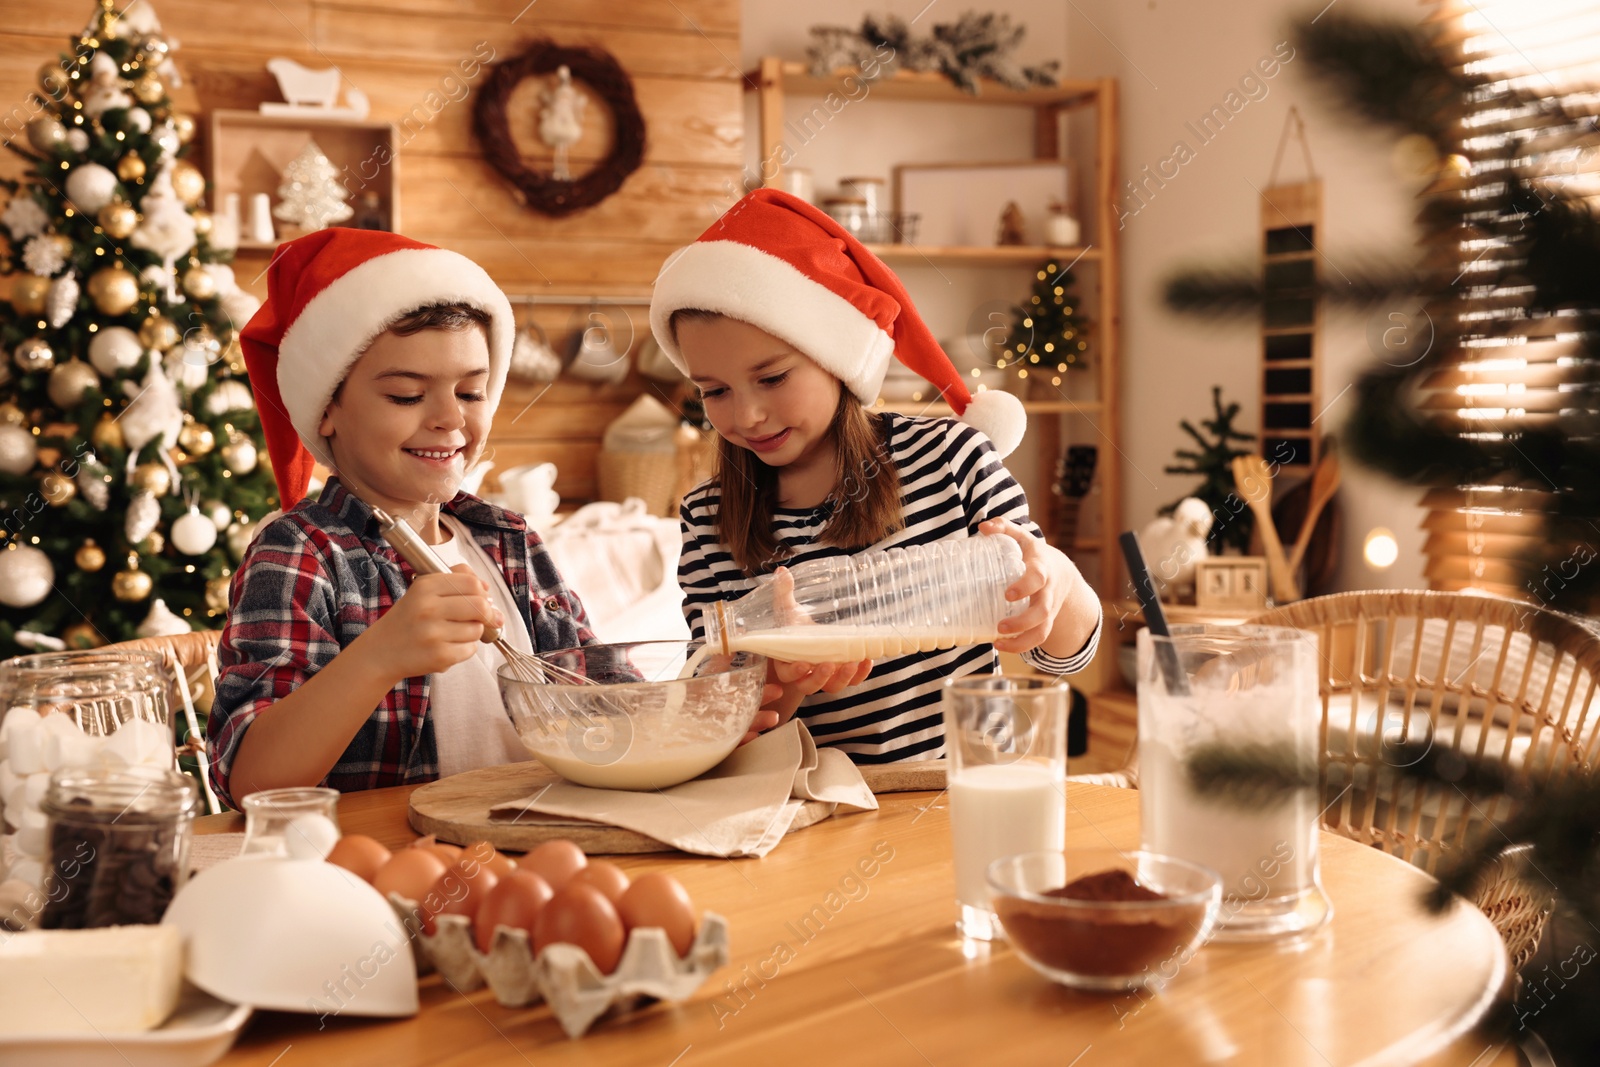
[(110, 980)]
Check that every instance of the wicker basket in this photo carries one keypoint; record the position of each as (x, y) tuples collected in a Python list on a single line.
[(660, 479)]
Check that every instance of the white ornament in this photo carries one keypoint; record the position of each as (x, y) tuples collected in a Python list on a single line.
[(239, 537), (61, 303), (93, 486), (218, 513), (312, 196), (77, 139), (193, 534), (24, 217), (38, 642), (19, 450), (142, 517), (230, 394), (26, 576), (1174, 544), (42, 256), (153, 412), (138, 120), (91, 187), (103, 93), (561, 120), (189, 365), (166, 139), (222, 274), (168, 228), (240, 305), (114, 349), (162, 278), (161, 622)]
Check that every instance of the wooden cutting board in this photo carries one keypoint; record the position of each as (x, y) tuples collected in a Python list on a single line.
[(456, 809)]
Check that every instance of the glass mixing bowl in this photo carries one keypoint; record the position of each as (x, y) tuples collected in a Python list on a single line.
[(619, 717)]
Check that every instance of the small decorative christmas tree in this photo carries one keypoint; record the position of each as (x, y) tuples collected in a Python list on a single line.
[(131, 475), (312, 196), (1047, 333), (1213, 462)]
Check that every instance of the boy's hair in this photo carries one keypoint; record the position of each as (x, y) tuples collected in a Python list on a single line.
[(866, 485), (442, 317)]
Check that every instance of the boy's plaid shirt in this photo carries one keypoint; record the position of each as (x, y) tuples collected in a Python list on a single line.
[(313, 581)]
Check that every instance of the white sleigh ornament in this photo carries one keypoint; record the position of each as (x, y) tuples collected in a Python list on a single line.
[(563, 975)]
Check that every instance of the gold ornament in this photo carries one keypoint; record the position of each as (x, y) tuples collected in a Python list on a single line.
[(89, 557), (46, 133), (130, 168), (196, 438), (158, 332), (233, 356), (188, 182), (11, 415), (152, 478), (200, 283), (114, 290), (184, 123), (132, 584), (28, 294), (152, 544), (217, 595), (70, 381), (107, 433), (33, 354), (239, 455), (81, 637), (118, 219), (202, 222), (57, 489), (53, 80), (149, 89)]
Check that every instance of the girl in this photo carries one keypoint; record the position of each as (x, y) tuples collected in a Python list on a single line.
[(786, 323)]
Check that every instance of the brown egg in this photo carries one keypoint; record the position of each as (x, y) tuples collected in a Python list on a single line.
[(448, 853), (458, 891), (606, 877), (556, 862), (410, 872), (581, 915), (515, 901), (486, 854), (360, 855), (658, 899)]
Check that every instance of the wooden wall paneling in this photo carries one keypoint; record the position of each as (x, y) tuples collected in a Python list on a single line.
[(703, 16)]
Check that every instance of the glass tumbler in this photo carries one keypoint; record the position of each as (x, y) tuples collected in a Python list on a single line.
[(1005, 737), (1212, 693)]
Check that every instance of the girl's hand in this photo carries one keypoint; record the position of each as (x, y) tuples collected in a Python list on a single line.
[(1046, 583), (790, 683)]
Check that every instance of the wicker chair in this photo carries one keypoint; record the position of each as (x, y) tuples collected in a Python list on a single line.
[(1495, 679), (192, 658)]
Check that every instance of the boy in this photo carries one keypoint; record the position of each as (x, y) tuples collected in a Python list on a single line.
[(384, 359)]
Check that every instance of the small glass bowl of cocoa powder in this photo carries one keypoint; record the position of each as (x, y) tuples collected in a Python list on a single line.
[(1104, 919)]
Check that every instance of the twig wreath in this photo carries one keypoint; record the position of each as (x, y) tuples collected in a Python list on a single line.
[(602, 73)]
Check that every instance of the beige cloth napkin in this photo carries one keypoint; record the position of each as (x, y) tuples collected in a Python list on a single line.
[(741, 807)]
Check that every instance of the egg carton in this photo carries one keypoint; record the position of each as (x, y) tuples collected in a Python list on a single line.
[(563, 975)]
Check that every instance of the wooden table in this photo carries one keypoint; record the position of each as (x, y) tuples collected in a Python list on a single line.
[(844, 950)]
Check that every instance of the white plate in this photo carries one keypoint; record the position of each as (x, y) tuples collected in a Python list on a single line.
[(197, 1033)]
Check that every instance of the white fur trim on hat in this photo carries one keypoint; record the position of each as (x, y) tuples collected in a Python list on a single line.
[(745, 283), (338, 324), (1000, 416)]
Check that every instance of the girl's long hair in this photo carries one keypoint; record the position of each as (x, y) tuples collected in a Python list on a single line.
[(865, 496)]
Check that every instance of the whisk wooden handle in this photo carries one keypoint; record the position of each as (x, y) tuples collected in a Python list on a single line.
[(423, 559)]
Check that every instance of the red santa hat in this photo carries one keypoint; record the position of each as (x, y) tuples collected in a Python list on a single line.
[(329, 294), (774, 261)]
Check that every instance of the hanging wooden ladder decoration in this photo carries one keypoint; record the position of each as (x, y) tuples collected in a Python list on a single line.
[(1291, 341)]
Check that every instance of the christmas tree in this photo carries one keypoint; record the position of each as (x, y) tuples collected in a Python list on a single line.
[(1504, 297), (1047, 333), (131, 469), (312, 196), (1213, 462)]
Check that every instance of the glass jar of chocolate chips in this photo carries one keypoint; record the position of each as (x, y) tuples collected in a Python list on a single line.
[(118, 845)]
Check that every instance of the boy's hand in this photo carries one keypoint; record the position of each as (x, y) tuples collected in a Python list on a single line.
[(437, 623), (1046, 583)]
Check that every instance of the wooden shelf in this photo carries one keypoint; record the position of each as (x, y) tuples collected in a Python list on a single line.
[(795, 77), (980, 256)]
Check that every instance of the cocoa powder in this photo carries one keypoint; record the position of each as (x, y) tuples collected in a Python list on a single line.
[(1100, 942)]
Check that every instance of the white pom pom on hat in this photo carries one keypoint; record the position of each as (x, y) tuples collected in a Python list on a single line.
[(778, 263)]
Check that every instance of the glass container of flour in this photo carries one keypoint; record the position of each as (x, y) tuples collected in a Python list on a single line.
[(874, 604), (1246, 690)]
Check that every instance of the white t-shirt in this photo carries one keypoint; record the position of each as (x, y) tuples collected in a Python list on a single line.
[(470, 725)]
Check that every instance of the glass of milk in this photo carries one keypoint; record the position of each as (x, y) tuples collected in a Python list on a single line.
[(1210, 689), (1006, 742)]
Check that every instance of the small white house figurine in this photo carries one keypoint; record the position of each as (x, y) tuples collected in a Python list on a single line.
[(561, 120), (1173, 544), (307, 90)]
